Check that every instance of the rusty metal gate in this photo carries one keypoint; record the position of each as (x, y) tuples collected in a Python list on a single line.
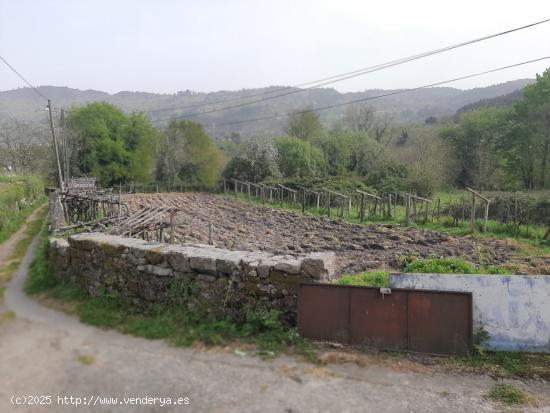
[(410, 320)]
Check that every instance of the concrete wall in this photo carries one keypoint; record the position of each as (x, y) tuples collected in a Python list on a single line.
[(513, 309), (200, 277)]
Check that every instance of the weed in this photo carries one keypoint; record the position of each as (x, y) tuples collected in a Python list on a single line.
[(372, 279), (451, 266), (7, 316), (508, 394), (86, 359), (505, 364)]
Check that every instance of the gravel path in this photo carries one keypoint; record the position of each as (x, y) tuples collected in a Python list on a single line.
[(44, 352)]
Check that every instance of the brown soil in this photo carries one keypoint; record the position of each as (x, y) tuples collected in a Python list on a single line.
[(242, 226)]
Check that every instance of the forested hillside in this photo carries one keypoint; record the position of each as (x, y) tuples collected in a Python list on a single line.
[(416, 106)]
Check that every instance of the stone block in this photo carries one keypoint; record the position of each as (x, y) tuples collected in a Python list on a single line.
[(204, 264), (158, 270), (320, 266), (289, 266)]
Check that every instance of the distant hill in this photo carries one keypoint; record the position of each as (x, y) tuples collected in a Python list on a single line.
[(415, 106), (503, 100)]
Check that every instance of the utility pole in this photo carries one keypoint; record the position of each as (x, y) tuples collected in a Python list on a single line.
[(55, 146), (65, 145)]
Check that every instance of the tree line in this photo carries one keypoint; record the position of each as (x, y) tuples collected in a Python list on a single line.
[(504, 147)]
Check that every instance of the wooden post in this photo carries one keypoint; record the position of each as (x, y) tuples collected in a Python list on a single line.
[(303, 201), (248, 190), (210, 234), (224, 186), (172, 227), (59, 173), (486, 216), (426, 212), (473, 214), (328, 204), (362, 212), (407, 209), (318, 200), (119, 203)]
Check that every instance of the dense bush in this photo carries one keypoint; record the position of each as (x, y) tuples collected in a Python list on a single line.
[(299, 158)]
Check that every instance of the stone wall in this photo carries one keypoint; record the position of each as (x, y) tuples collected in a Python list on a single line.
[(513, 309), (201, 277)]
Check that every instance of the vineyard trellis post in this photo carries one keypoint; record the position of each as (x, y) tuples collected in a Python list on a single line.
[(362, 208), (347, 198), (475, 195)]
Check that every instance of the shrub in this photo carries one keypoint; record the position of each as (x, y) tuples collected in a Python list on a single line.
[(441, 265), (371, 279), (451, 266)]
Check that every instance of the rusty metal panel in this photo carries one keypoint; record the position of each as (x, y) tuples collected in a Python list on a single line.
[(414, 320), (440, 322), (378, 320), (323, 312)]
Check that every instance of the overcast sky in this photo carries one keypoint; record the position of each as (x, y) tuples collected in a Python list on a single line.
[(168, 45)]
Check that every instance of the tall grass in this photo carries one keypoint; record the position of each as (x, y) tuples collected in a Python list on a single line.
[(19, 196)]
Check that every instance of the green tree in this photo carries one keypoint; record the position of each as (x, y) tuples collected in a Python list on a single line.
[(256, 160), (304, 124), (476, 139), (298, 158), (529, 139), (109, 144), (347, 151), (188, 155)]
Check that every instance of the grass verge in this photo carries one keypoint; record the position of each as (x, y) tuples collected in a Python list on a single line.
[(14, 260), (504, 364)]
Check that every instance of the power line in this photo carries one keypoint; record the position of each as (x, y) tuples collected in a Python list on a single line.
[(397, 92), (337, 78), (25, 80)]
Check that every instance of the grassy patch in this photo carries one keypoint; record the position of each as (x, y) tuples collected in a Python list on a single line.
[(450, 266), (508, 394), (175, 323), (370, 279), (7, 316), (14, 260), (19, 197), (504, 364), (86, 359)]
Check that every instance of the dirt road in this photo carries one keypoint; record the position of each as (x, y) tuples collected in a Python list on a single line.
[(47, 353)]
